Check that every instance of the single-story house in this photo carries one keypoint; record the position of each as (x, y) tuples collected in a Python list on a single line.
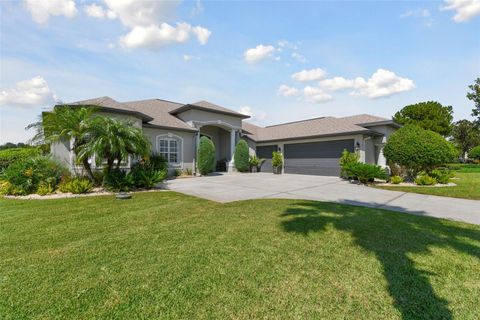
[(310, 146)]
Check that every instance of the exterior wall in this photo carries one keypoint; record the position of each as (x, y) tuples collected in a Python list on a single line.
[(61, 151), (194, 115), (252, 147), (221, 140), (369, 150), (187, 151)]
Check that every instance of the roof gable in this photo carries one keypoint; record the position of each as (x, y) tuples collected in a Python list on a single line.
[(207, 106)]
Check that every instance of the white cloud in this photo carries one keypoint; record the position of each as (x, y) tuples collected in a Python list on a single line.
[(465, 9), (300, 58), (424, 13), (197, 8), (134, 13), (383, 83), (188, 57), (202, 34), (254, 116), (258, 53), (41, 10), (99, 12), (336, 83), (309, 75), (314, 94), (156, 36), (28, 93), (287, 91)]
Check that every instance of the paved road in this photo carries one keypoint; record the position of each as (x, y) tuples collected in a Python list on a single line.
[(234, 187)]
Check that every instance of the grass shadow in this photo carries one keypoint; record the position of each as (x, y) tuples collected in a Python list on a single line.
[(391, 237)]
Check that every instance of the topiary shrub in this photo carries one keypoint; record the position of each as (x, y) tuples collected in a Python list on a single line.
[(206, 156), (474, 153), (418, 149), (241, 156), (10, 156)]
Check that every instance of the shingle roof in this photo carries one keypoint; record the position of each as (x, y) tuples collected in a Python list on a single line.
[(108, 103), (205, 105), (160, 111), (363, 118)]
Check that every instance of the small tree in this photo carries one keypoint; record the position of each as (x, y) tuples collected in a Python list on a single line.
[(347, 159), (241, 156), (277, 162), (429, 115), (465, 136), (475, 97), (418, 149), (206, 156)]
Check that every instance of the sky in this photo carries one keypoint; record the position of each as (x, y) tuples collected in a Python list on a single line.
[(277, 61)]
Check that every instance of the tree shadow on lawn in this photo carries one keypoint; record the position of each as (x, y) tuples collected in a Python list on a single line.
[(391, 237)]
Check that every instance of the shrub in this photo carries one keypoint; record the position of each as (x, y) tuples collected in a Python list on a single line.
[(418, 149), (277, 159), (44, 189), (241, 156), (118, 180), (188, 171), (474, 153), (441, 175), (26, 176), (157, 162), (425, 180), (10, 156), (365, 172), (147, 177), (76, 186), (177, 172), (396, 179), (5, 187), (256, 162), (206, 156), (346, 159)]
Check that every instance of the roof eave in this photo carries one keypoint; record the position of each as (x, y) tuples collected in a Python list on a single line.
[(379, 123), (150, 125), (193, 106), (140, 115)]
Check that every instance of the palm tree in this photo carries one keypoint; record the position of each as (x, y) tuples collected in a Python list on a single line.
[(66, 123), (114, 140)]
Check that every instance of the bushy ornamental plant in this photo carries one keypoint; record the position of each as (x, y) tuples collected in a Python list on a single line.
[(118, 180), (425, 180), (241, 156), (346, 159), (418, 149), (396, 179), (25, 177), (365, 172), (76, 185), (206, 156), (12, 155)]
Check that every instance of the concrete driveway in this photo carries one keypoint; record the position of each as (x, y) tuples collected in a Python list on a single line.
[(234, 187)]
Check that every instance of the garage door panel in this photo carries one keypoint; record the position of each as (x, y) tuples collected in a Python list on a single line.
[(265, 152), (317, 158)]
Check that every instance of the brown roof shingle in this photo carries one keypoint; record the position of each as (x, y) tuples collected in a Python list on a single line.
[(208, 106)]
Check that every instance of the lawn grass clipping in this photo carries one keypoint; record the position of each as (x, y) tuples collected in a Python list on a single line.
[(166, 255)]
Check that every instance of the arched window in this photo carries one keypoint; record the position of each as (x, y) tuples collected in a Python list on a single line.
[(170, 147)]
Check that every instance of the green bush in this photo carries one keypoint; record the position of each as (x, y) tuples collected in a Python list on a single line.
[(44, 189), (10, 156), (277, 159), (474, 153), (365, 172), (26, 176), (347, 159), (396, 179), (241, 156), (441, 176), (76, 186), (206, 156), (177, 172), (425, 180), (418, 149), (118, 180), (156, 162), (147, 173)]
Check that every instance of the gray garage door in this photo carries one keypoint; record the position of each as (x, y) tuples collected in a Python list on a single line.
[(318, 158), (266, 153)]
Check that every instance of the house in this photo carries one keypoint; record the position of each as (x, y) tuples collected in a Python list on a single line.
[(310, 146)]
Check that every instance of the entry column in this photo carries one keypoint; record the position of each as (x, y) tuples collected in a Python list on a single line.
[(231, 163)]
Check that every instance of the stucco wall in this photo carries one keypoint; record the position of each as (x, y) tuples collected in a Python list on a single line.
[(194, 115), (221, 140)]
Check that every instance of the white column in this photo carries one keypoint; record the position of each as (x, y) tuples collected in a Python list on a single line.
[(195, 155), (231, 163), (382, 161)]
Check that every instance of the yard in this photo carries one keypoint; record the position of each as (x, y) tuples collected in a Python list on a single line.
[(167, 255), (467, 180)]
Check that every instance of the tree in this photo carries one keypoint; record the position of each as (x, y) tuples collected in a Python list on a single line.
[(206, 156), (65, 123), (430, 115), (418, 149), (241, 156), (465, 135), (475, 97), (113, 140), (475, 153)]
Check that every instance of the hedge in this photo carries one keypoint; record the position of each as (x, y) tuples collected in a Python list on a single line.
[(9, 156), (241, 156)]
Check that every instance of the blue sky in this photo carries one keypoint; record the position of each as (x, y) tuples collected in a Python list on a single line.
[(356, 57)]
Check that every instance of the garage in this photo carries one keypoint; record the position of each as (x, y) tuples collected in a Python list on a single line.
[(316, 158), (265, 152)]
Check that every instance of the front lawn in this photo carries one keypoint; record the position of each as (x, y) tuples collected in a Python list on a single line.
[(467, 185), (167, 255)]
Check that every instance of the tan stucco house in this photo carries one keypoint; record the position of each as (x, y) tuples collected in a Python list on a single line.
[(310, 146)]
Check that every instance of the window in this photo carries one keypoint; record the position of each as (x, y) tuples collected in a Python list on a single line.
[(169, 147)]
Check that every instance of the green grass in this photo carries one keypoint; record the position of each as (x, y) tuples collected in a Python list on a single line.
[(467, 184), (166, 255)]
